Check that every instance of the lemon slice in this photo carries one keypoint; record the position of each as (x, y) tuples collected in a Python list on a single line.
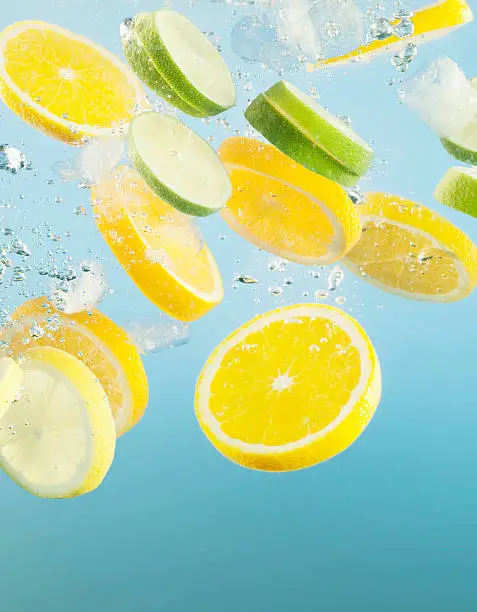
[(411, 251), (430, 23), (10, 383), (160, 248), (97, 341), (58, 438), (289, 389), (64, 84), (285, 209)]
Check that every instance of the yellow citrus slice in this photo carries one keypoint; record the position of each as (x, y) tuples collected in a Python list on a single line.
[(10, 383), (411, 251), (58, 438), (284, 208), (291, 388), (64, 84), (94, 339), (159, 247), (430, 23)]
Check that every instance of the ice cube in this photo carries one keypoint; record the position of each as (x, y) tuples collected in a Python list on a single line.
[(255, 38), (97, 159), (156, 333), (321, 28), (11, 159), (442, 96), (86, 291)]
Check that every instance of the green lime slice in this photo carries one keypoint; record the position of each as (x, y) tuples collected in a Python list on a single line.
[(458, 189), (138, 58), (309, 134), (178, 165), (463, 146), (177, 61)]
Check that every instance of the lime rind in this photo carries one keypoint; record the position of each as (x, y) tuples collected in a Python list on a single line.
[(284, 134), (458, 189)]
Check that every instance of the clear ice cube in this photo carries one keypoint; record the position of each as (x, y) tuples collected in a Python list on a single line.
[(321, 28), (255, 38), (157, 333), (84, 292), (442, 96), (97, 159), (11, 159)]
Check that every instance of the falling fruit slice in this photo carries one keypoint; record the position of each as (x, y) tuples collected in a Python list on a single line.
[(409, 250), (160, 248), (64, 84), (97, 341), (309, 134), (289, 389), (10, 383), (58, 438), (179, 166), (282, 207), (458, 189), (173, 57), (429, 23)]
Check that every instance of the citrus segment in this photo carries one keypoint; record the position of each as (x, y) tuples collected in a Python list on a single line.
[(159, 247), (94, 339), (58, 438), (284, 208), (289, 389), (409, 250), (429, 23), (64, 84)]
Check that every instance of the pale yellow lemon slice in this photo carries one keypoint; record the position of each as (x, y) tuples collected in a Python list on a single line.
[(10, 383), (58, 437), (64, 84), (430, 23), (159, 247), (284, 208), (409, 250), (289, 389), (94, 339)]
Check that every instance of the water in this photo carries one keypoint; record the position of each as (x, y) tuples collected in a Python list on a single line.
[(387, 525)]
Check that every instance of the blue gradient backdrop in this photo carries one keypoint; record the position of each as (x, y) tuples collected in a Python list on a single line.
[(389, 525)]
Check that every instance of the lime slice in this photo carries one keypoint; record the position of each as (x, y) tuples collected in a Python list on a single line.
[(464, 146), (10, 383), (177, 61), (458, 189), (58, 438), (145, 69), (309, 134), (179, 166)]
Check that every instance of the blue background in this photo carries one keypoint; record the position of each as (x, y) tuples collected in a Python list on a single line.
[(389, 525)]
